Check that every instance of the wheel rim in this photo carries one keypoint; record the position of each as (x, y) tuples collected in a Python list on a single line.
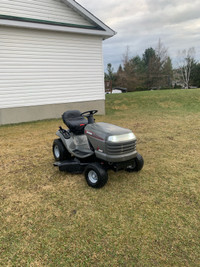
[(92, 176), (56, 152)]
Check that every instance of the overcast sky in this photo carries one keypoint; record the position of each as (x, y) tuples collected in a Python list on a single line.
[(140, 24)]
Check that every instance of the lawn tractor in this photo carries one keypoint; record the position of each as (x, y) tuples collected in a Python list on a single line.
[(94, 148)]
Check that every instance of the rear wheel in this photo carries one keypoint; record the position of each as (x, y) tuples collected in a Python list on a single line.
[(95, 175), (59, 151)]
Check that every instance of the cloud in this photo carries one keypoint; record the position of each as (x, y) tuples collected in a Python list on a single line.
[(140, 24)]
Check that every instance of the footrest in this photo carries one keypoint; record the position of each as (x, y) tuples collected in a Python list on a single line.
[(72, 166), (82, 154)]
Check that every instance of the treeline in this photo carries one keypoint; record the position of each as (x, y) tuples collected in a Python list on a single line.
[(154, 70)]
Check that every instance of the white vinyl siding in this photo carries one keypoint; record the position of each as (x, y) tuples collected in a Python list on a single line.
[(43, 67), (50, 10)]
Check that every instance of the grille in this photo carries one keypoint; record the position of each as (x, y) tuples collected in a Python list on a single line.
[(114, 148)]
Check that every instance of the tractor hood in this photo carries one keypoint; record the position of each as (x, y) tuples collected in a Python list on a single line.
[(111, 143), (109, 132)]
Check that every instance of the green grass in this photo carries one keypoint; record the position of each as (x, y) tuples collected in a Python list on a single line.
[(151, 218)]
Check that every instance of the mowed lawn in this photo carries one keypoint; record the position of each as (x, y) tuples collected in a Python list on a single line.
[(150, 218)]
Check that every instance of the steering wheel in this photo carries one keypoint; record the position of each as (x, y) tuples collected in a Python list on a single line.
[(89, 112)]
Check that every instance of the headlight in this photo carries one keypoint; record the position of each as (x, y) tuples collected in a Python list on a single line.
[(122, 137)]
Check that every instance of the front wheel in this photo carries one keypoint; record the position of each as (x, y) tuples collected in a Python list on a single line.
[(137, 165), (95, 175), (139, 162)]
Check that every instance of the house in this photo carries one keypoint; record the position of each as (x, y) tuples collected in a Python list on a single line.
[(50, 59)]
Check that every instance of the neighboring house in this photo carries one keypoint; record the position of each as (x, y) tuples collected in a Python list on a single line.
[(50, 59)]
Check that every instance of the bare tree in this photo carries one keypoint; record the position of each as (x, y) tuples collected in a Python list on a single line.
[(126, 55), (185, 60), (161, 53), (126, 76)]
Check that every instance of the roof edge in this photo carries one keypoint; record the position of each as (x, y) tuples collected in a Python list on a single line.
[(88, 15), (25, 19), (58, 28)]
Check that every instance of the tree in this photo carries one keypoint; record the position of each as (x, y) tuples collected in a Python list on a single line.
[(126, 56), (185, 61), (138, 65), (167, 71), (126, 76), (195, 74), (151, 67), (110, 75), (162, 54), (120, 69), (139, 69), (120, 77), (148, 55), (158, 66)]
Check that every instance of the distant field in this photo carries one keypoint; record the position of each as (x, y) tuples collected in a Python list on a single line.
[(151, 218)]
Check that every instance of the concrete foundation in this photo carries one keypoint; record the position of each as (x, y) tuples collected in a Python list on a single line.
[(34, 113)]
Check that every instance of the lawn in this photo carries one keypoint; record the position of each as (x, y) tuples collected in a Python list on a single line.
[(150, 218)]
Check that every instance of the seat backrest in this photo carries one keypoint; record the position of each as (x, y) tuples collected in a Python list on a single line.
[(70, 114), (75, 121)]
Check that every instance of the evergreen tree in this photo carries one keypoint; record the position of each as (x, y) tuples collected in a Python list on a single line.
[(195, 74), (110, 75)]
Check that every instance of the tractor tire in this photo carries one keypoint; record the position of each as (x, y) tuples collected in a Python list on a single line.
[(139, 161), (59, 151), (137, 165), (96, 176)]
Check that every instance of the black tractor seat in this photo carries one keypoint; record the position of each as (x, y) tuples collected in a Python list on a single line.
[(75, 121)]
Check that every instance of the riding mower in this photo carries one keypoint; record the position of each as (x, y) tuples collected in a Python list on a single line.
[(94, 148)]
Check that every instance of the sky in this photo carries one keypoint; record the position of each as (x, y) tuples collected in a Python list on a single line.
[(141, 23)]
